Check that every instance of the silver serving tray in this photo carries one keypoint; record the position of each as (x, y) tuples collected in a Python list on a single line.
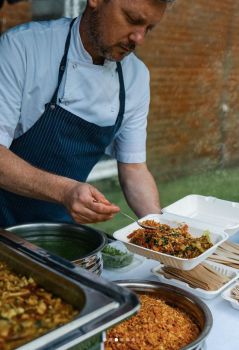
[(186, 301), (101, 304), (90, 240)]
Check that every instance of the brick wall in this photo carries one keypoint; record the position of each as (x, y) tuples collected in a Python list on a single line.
[(193, 57), (11, 15)]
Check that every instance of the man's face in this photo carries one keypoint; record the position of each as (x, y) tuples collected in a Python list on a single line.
[(117, 27)]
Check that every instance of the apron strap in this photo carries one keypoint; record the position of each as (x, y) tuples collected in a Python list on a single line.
[(122, 91), (62, 66)]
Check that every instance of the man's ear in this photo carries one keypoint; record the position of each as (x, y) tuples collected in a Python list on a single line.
[(94, 3)]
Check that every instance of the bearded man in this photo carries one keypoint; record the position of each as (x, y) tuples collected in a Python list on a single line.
[(70, 92)]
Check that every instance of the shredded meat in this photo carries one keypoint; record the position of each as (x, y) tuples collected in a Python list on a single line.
[(26, 310), (157, 326), (175, 241)]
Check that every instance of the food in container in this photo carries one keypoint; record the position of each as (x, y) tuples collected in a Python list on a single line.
[(175, 241), (28, 311), (116, 255), (196, 229), (169, 318), (100, 304), (148, 330)]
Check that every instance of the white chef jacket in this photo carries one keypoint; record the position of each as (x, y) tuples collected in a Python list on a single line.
[(30, 55)]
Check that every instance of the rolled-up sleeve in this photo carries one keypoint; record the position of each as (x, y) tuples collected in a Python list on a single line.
[(12, 72), (129, 145)]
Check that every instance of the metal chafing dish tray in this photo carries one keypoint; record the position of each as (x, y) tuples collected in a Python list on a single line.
[(177, 297), (101, 304)]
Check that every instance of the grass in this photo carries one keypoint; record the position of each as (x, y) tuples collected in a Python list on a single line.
[(223, 184)]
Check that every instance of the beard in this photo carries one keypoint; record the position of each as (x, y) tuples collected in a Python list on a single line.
[(95, 30)]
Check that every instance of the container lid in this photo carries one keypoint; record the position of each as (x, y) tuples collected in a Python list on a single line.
[(214, 211)]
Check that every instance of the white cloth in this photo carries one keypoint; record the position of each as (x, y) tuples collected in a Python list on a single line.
[(30, 55)]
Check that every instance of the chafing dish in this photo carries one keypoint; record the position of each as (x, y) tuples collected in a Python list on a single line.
[(101, 304), (174, 296), (78, 243)]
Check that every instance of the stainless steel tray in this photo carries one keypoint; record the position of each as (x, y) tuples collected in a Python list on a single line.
[(186, 301), (77, 243), (101, 304)]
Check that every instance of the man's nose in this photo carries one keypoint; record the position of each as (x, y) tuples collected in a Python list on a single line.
[(138, 36)]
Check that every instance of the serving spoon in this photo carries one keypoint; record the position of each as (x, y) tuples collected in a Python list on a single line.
[(147, 227)]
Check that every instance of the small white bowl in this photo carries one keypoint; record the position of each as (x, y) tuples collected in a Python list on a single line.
[(227, 296)]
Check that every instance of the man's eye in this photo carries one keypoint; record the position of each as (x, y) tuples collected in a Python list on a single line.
[(132, 20), (135, 21)]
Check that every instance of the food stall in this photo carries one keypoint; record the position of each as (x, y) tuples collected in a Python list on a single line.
[(219, 219), (138, 272)]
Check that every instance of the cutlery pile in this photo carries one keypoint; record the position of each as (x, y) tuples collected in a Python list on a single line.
[(227, 254), (202, 276)]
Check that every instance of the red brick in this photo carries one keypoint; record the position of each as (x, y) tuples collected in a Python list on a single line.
[(193, 60), (194, 66)]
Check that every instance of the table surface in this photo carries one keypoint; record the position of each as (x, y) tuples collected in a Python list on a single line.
[(225, 331)]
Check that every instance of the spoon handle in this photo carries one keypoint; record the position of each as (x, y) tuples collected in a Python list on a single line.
[(126, 215), (147, 227)]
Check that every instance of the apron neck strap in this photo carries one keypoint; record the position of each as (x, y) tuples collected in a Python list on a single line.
[(62, 66), (122, 90)]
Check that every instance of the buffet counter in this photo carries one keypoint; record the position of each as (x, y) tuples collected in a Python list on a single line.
[(224, 334)]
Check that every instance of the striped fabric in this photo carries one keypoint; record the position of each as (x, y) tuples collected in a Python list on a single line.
[(60, 143)]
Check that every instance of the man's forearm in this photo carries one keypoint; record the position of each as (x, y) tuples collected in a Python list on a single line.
[(139, 188), (83, 201), (19, 177)]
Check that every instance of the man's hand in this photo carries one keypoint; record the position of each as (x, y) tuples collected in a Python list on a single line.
[(87, 205), (84, 202)]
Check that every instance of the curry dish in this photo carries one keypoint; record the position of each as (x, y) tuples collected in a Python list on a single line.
[(175, 241), (157, 326), (27, 311)]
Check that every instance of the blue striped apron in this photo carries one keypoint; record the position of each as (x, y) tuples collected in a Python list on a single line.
[(60, 143)]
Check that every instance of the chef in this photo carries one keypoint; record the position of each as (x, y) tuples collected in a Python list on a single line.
[(70, 92)]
